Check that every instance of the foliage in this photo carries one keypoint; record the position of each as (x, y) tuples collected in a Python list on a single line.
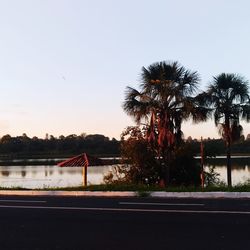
[(185, 170), (24, 146), (211, 177), (228, 96), (139, 164), (66, 146), (164, 101), (115, 176), (142, 166), (215, 147), (145, 189)]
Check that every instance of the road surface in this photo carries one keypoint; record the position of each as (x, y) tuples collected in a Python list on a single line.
[(123, 223)]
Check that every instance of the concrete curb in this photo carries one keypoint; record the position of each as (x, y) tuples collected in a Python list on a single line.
[(69, 193), (208, 195), (205, 195)]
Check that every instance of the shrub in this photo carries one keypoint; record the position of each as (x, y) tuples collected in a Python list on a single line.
[(185, 170), (139, 164)]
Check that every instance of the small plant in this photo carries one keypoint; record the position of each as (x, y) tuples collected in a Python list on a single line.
[(212, 177), (143, 194)]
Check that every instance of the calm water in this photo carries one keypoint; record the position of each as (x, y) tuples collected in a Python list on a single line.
[(54, 176), (49, 176), (239, 174)]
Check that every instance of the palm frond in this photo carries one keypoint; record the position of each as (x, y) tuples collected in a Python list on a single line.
[(136, 104), (167, 90), (246, 112)]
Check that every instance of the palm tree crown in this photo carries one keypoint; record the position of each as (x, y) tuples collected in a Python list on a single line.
[(165, 99), (228, 96)]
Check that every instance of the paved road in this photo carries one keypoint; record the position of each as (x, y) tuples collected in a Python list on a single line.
[(123, 223)]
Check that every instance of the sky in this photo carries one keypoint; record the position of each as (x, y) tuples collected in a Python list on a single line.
[(65, 64)]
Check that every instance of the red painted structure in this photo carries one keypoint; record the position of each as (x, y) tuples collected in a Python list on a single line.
[(77, 161)]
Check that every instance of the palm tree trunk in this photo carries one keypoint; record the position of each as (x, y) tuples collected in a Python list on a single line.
[(164, 159), (229, 167), (167, 175), (228, 138), (167, 161)]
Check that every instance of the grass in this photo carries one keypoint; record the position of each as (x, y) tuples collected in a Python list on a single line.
[(13, 188), (143, 189)]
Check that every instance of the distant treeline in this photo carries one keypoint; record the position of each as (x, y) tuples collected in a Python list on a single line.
[(213, 147), (63, 146), (96, 144)]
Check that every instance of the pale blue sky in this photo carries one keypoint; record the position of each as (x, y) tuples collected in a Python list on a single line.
[(64, 64)]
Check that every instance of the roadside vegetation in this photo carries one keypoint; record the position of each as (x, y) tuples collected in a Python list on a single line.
[(145, 188), (28, 150), (168, 95), (228, 96), (154, 154)]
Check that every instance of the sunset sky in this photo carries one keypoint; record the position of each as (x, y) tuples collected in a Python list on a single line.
[(65, 64)]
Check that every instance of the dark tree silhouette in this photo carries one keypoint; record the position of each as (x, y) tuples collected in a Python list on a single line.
[(228, 95), (164, 101)]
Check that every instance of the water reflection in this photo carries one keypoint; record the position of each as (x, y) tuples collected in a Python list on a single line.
[(49, 176), (23, 173), (5, 173), (240, 173), (54, 176), (240, 168)]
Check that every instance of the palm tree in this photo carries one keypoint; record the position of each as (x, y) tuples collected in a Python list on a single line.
[(228, 95), (164, 100)]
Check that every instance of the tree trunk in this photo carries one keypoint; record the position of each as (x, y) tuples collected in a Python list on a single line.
[(228, 138), (229, 167), (167, 167), (164, 162), (166, 175)]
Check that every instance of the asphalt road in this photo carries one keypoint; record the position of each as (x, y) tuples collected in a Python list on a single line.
[(123, 223)]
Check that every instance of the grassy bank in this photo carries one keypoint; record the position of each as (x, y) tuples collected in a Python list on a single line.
[(142, 188)]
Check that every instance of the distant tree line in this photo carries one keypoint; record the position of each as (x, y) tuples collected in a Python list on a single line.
[(63, 146), (215, 147), (99, 145)]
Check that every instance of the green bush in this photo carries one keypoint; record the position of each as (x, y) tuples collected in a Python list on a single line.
[(139, 164), (185, 170)]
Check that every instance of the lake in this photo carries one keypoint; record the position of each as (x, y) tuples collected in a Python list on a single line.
[(44, 176), (49, 176)]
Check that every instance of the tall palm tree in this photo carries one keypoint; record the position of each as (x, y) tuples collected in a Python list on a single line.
[(228, 95), (164, 100)]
